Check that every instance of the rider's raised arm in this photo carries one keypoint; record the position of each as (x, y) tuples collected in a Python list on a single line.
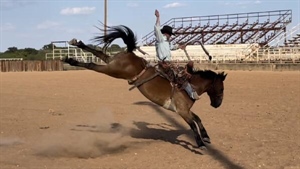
[(157, 32), (157, 17)]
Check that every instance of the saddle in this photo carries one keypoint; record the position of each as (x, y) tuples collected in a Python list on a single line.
[(177, 75)]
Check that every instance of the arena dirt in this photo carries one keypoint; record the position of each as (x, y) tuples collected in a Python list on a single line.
[(86, 120)]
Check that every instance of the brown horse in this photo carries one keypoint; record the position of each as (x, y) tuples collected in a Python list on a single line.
[(126, 65)]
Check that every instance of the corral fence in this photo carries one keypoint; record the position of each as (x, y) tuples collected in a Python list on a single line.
[(57, 65), (27, 65)]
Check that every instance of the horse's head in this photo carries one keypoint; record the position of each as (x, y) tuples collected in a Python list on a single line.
[(208, 81), (216, 90)]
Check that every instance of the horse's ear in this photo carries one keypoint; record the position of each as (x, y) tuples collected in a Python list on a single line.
[(223, 76)]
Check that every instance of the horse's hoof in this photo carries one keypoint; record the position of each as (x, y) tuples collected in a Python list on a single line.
[(73, 42), (202, 148), (206, 140)]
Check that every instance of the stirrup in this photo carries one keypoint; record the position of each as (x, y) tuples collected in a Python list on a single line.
[(195, 96)]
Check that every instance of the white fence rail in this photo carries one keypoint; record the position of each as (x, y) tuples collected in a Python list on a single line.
[(76, 53), (232, 53), (220, 53)]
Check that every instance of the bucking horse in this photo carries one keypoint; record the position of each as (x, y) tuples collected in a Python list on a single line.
[(152, 81)]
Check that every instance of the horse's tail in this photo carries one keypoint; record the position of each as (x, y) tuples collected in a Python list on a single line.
[(114, 32)]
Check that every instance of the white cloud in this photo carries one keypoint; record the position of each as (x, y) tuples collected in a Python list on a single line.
[(10, 4), (48, 25), (7, 27), (174, 5), (225, 3), (132, 4), (77, 11), (242, 4), (245, 4), (257, 2)]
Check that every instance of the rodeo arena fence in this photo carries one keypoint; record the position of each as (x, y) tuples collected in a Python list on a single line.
[(7, 65), (243, 41)]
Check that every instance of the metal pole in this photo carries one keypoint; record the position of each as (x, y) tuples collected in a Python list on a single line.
[(105, 16), (68, 48), (52, 51)]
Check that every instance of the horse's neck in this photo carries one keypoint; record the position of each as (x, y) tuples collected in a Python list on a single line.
[(200, 84)]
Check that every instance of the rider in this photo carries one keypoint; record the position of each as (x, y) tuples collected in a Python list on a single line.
[(164, 47)]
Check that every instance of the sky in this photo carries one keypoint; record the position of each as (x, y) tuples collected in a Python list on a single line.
[(35, 23)]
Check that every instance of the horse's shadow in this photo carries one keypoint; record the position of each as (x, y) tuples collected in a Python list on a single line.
[(171, 136), (163, 133), (146, 130)]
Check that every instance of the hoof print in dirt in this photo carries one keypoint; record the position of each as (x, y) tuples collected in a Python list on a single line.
[(115, 127)]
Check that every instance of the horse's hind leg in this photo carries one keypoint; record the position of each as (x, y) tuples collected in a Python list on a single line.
[(92, 66), (189, 118), (203, 132), (97, 53)]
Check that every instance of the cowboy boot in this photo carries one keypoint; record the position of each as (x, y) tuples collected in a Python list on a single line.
[(191, 92)]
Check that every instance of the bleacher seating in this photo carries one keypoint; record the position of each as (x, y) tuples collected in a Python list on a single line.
[(220, 52), (294, 41), (236, 28)]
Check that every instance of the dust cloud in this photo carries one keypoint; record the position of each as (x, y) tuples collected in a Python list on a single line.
[(97, 135), (9, 141)]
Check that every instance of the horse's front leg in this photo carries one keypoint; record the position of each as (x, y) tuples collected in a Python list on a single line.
[(189, 118), (203, 132)]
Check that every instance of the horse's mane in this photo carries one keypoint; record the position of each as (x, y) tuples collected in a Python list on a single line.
[(207, 74), (114, 32)]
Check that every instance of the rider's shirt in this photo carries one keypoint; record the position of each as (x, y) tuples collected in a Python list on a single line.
[(162, 45)]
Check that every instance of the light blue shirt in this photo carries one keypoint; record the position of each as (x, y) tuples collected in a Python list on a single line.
[(162, 45)]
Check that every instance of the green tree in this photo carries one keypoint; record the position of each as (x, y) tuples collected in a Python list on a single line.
[(31, 51), (26, 54), (115, 48), (12, 49), (49, 46)]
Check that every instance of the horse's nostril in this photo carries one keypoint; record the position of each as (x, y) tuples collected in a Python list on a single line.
[(216, 104)]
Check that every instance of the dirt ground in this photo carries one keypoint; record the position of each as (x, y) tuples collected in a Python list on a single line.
[(86, 120)]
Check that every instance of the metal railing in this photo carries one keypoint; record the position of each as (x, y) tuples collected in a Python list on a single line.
[(76, 53)]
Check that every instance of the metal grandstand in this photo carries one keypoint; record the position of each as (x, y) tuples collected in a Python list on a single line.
[(239, 28), (255, 36)]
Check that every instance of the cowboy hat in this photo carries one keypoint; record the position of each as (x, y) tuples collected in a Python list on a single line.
[(167, 29)]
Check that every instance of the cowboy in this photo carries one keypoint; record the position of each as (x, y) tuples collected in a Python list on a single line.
[(164, 47)]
